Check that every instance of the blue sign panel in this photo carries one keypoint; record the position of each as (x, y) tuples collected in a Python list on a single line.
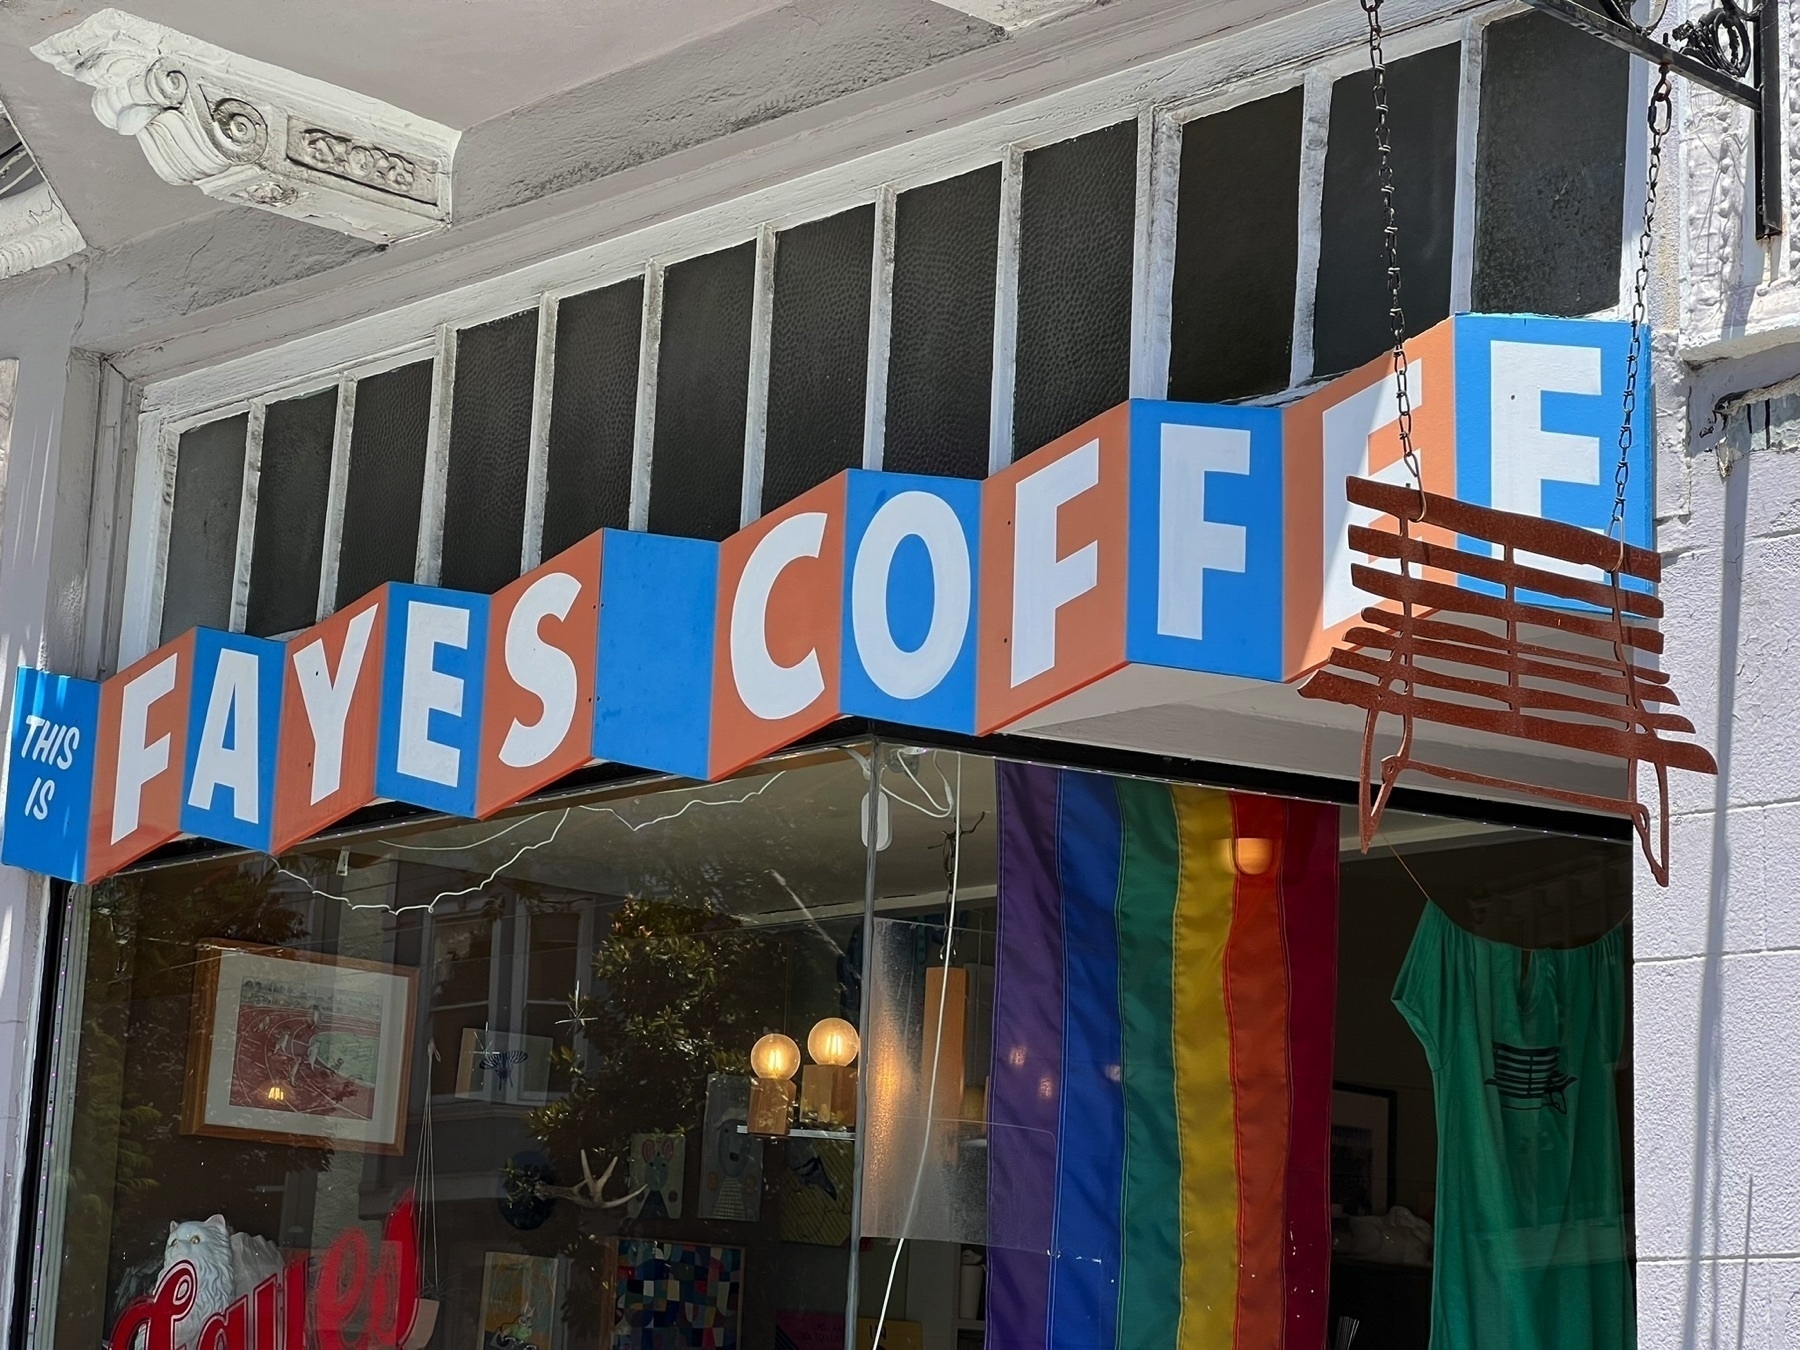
[(50, 779), (234, 730), (653, 695), (1206, 537), (433, 669), (1538, 409), (911, 546)]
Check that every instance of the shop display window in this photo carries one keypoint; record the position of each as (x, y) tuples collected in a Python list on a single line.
[(996, 1054), (536, 1030)]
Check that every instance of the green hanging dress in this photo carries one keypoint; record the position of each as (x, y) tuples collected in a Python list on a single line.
[(1530, 1240)]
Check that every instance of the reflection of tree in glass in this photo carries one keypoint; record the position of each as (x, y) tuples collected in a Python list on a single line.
[(680, 992), (125, 1146)]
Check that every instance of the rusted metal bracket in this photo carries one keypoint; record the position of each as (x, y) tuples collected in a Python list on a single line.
[(1716, 51)]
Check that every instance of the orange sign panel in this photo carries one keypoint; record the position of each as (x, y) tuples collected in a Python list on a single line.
[(139, 760), (332, 700), (1053, 570)]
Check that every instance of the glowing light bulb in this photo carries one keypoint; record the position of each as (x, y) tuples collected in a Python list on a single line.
[(1254, 856), (775, 1057), (1248, 857), (833, 1041)]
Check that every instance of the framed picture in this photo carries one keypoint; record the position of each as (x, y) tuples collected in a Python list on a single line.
[(1362, 1148), (659, 1166), (679, 1296), (731, 1174), (504, 1066), (816, 1187), (297, 1048), (521, 1302)]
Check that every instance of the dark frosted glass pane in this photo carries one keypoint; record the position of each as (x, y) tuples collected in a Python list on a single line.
[(291, 496), (387, 480), (818, 354), (1076, 229), (203, 528), (1237, 242), (1549, 169), (593, 414), (941, 355), (490, 445), (702, 385), (1350, 318)]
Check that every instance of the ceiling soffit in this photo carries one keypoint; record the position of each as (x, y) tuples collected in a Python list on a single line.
[(246, 132)]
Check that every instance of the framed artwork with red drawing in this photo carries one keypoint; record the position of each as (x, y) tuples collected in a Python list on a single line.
[(290, 1047)]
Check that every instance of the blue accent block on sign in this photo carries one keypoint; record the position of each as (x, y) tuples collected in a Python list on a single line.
[(50, 773), (912, 549), (653, 693), (1205, 588), (234, 734), (1538, 405), (434, 667)]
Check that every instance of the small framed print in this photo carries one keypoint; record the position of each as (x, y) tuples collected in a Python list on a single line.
[(522, 1302), (1362, 1148), (297, 1048), (504, 1066)]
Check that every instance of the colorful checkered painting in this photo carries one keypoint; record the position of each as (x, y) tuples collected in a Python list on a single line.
[(672, 1296)]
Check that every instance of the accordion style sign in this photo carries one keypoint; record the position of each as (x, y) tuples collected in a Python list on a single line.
[(1211, 539)]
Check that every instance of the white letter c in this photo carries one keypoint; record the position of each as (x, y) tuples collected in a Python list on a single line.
[(772, 691)]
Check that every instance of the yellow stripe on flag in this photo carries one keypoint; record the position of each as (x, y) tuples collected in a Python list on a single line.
[(1205, 1122)]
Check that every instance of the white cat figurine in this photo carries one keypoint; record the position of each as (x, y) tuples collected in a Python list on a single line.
[(226, 1266)]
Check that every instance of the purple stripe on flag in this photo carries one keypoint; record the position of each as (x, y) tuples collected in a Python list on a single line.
[(1025, 1088)]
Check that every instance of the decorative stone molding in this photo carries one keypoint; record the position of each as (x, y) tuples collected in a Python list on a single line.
[(35, 231), (244, 131), (1739, 295), (1012, 15)]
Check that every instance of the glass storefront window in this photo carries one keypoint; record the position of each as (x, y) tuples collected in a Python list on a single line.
[(1020, 1056), (539, 1027)]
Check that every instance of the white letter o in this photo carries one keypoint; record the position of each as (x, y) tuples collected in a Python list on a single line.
[(896, 672)]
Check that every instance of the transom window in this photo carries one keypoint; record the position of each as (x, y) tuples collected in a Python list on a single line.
[(1225, 247)]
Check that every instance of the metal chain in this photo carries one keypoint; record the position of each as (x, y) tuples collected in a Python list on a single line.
[(1660, 115), (1391, 243)]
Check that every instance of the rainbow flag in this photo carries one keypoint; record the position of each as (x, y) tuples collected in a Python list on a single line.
[(1160, 1096)]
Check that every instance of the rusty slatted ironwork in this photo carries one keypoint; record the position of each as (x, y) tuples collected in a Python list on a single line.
[(1489, 661)]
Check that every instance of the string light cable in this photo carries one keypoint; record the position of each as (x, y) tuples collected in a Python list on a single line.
[(901, 755), (430, 906)]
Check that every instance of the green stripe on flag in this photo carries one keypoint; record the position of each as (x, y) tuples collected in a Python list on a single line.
[(1150, 1227)]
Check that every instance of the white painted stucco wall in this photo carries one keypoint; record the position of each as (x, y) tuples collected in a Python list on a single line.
[(1717, 975), (44, 540), (1716, 985)]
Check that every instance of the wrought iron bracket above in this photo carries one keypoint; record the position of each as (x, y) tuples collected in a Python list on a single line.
[(1731, 50)]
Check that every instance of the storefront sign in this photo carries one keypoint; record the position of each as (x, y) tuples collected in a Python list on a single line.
[(1194, 537), (364, 1296)]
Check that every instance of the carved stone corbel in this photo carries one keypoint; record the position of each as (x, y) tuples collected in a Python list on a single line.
[(35, 231), (245, 131)]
